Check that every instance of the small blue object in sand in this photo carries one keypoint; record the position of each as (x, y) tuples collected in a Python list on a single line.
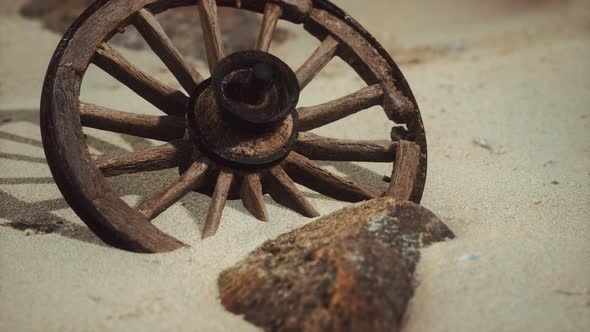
[(468, 258)]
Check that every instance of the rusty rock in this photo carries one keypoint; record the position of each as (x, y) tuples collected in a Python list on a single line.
[(350, 271)]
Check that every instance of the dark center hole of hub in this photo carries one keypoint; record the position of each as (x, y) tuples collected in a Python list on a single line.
[(253, 88), (249, 94)]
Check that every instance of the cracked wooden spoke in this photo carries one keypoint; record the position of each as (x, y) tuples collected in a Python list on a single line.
[(153, 159), (404, 171), (211, 32), (322, 148), (224, 182), (272, 13), (321, 115), (162, 128), (318, 60), (284, 191), (252, 197), (192, 178), (167, 99), (312, 176), (153, 33)]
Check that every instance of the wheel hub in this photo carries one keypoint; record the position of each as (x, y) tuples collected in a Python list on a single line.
[(244, 115)]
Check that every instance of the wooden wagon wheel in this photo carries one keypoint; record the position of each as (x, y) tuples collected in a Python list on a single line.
[(240, 128)]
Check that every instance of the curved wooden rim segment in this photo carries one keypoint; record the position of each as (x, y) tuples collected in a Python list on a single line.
[(79, 176), (364, 54), (80, 181)]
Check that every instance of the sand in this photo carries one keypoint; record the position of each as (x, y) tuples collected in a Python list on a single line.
[(511, 75)]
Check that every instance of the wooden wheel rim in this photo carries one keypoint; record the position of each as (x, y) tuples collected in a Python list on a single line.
[(83, 184)]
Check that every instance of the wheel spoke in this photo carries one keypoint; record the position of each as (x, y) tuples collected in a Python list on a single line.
[(317, 61), (368, 62), (167, 99), (252, 197), (162, 128), (224, 181), (321, 115), (159, 202), (211, 32), (153, 33), (284, 191), (322, 148), (307, 173), (405, 170), (272, 13), (153, 159)]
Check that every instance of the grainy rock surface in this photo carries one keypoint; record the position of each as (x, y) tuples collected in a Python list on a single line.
[(350, 271)]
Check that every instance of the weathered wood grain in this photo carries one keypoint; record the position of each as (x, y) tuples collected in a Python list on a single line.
[(272, 13), (350, 271), (365, 59), (153, 159), (94, 27), (192, 178), (322, 148), (162, 128), (224, 182), (321, 115), (167, 99), (401, 133), (252, 197), (371, 61), (284, 191), (81, 183), (312, 176), (403, 178), (317, 61), (232, 142), (211, 32), (153, 33), (74, 169), (296, 10)]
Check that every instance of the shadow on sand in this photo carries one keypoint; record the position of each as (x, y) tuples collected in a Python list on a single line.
[(38, 217)]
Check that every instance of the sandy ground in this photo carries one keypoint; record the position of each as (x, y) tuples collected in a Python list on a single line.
[(514, 74)]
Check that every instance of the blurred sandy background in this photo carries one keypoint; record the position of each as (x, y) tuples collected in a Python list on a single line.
[(504, 89)]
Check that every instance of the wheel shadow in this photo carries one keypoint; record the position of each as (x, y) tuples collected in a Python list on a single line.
[(39, 218), (358, 173), (35, 218)]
